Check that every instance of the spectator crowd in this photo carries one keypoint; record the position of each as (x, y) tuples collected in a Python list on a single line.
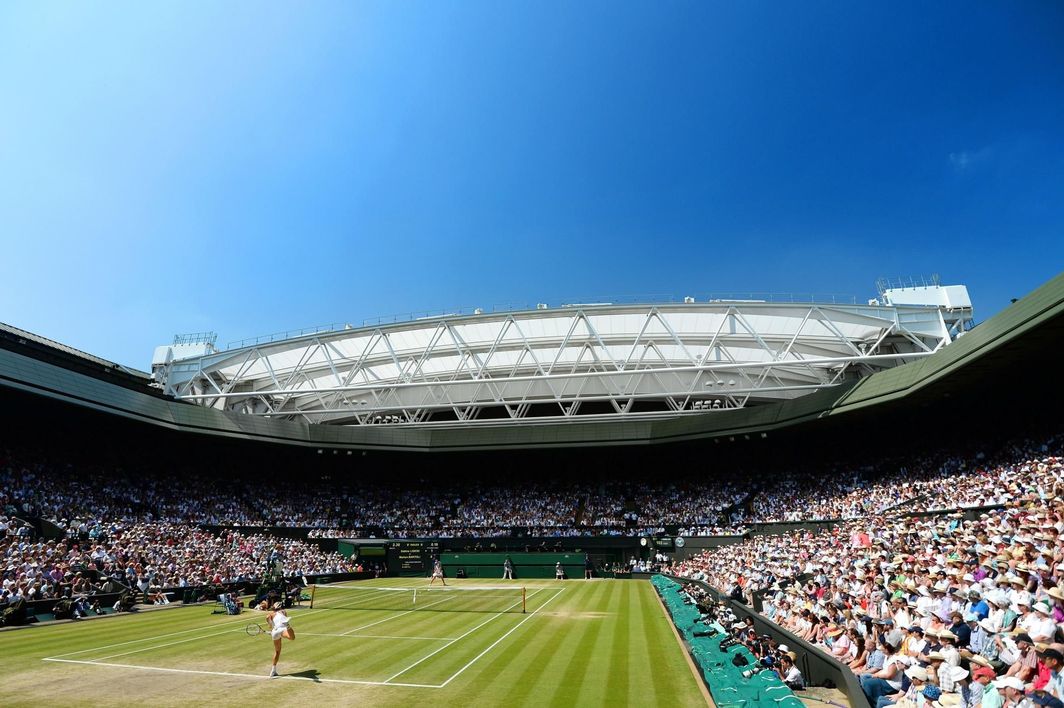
[(966, 607)]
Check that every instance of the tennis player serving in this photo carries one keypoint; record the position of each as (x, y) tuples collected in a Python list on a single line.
[(278, 621)]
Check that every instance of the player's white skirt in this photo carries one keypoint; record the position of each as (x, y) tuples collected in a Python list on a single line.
[(278, 632)]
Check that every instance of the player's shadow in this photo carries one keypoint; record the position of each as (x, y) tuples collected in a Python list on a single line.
[(312, 674)]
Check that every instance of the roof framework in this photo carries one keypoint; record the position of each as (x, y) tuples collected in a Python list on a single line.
[(610, 361)]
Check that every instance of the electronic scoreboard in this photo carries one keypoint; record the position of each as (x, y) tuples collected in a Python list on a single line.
[(412, 557)]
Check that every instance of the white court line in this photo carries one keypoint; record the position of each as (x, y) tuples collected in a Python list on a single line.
[(251, 676), (434, 653), (374, 636), (560, 590), (389, 619)]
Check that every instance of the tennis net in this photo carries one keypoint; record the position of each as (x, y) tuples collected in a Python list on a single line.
[(434, 599)]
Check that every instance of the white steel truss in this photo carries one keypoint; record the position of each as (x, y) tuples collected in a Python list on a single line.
[(574, 363)]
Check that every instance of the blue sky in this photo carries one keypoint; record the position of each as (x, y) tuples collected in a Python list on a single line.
[(249, 168)]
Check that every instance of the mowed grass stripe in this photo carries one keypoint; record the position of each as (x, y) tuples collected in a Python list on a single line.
[(652, 638), (526, 680), (621, 621), (453, 658), (592, 685), (384, 661), (569, 666), (597, 643)]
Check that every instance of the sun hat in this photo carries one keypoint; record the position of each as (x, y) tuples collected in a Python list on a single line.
[(916, 672), (932, 692), (1009, 682)]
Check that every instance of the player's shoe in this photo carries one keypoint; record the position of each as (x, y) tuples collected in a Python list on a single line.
[(273, 672)]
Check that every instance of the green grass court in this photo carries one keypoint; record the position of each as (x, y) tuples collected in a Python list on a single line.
[(602, 642)]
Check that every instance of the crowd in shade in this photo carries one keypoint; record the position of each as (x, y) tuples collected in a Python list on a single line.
[(969, 607), (83, 500)]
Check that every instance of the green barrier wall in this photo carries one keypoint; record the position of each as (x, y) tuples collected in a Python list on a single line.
[(526, 565), (725, 680)]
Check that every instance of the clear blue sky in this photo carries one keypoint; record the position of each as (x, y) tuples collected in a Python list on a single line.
[(248, 168)]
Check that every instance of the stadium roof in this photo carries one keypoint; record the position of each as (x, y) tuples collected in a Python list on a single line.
[(573, 363), (1028, 329)]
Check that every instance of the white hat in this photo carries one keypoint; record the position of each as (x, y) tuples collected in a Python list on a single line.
[(916, 672), (1008, 682)]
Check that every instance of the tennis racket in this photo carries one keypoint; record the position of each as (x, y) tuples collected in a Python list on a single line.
[(254, 630)]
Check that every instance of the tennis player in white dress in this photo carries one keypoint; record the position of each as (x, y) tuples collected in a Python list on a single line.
[(278, 621)]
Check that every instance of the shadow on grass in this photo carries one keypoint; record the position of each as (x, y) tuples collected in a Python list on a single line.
[(312, 674)]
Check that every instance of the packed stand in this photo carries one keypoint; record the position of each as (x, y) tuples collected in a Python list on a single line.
[(970, 609), (150, 557)]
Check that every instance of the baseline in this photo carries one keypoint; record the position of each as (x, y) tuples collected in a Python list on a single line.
[(239, 675)]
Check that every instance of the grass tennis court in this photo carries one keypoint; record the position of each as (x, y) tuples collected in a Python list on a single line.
[(578, 643)]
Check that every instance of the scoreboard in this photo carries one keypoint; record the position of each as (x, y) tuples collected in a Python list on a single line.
[(412, 557)]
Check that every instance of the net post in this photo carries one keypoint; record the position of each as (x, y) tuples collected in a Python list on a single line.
[(523, 599), (413, 603), (313, 589)]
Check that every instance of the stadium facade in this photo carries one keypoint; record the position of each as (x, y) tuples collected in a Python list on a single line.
[(588, 375)]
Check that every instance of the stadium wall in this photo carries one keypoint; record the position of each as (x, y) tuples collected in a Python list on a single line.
[(526, 565)]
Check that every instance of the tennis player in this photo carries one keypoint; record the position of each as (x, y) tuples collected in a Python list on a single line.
[(278, 621), (437, 572)]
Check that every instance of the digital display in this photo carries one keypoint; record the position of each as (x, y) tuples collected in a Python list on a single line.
[(415, 556)]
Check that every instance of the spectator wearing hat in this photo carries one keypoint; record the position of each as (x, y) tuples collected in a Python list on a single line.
[(840, 642), (996, 614), (1025, 668), (980, 685), (992, 646), (977, 639), (958, 683), (887, 680), (929, 696), (950, 654), (1041, 625), (961, 627), (1049, 679), (917, 681), (1011, 690), (1056, 601), (915, 645), (938, 670)]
